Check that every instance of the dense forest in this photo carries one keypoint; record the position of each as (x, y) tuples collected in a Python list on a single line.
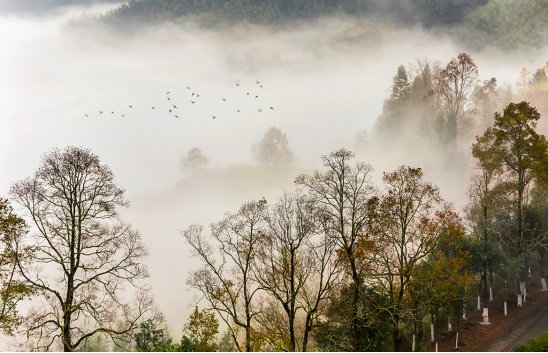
[(513, 25)]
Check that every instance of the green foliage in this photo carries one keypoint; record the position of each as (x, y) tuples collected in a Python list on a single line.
[(12, 290), (536, 344), (202, 327), (374, 321), (151, 338), (279, 11), (511, 25)]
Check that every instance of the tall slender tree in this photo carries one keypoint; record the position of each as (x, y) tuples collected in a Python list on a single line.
[(343, 193), (85, 259), (521, 154)]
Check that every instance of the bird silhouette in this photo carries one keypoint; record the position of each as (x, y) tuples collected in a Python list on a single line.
[(174, 106), (247, 93), (192, 102), (170, 110), (131, 106), (214, 117), (167, 92), (261, 86), (237, 84), (187, 87), (197, 95), (177, 116), (111, 112), (153, 107), (100, 112), (258, 82), (86, 115), (260, 111), (123, 115), (224, 100), (168, 98), (237, 111), (192, 93), (256, 96), (271, 108)]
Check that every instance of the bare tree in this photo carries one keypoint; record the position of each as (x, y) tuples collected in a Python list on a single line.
[(85, 259), (298, 268), (344, 193), (226, 279), (322, 283)]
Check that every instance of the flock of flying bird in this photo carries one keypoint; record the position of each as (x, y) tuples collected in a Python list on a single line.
[(193, 98)]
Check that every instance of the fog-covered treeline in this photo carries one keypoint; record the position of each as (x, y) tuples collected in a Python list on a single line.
[(506, 25)]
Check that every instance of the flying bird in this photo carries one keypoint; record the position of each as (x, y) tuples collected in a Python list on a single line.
[(177, 116), (260, 111), (168, 98), (192, 93), (271, 108), (100, 112), (258, 82), (152, 107), (197, 95), (237, 111), (174, 106), (187, 87), (192, 102), (167, 92), (237, 84), (214, 117), (111, 112), (123, 115), (86, 115), (256, 96), (170, 110), (261, 86), (247, 93), (131, 106), (224, 99)]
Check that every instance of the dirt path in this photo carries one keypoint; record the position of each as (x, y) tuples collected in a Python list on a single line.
[(523, 332), (505, 332)]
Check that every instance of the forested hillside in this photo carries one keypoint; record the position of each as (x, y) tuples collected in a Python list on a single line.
[(508, 25), (267, 11)]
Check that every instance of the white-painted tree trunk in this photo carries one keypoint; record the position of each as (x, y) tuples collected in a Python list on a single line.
[(505, 309), (543, 283), (485, 316), (413, 346), (520, 303), (436, 346), (490, 294), (449, 326), (457, 341), (479, 303), (464, 313), (432, 333)]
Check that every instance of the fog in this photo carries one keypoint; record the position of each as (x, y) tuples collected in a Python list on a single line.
[(326, 80)]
